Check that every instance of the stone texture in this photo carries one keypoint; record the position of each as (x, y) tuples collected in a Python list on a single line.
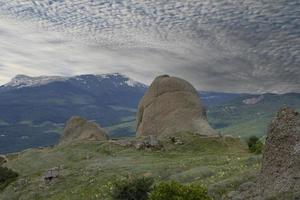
[(148, 142), (280, 171), (78, 128), (171, 105)]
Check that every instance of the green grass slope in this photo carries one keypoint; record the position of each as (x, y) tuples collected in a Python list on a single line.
[(87, 169), (239, 119)]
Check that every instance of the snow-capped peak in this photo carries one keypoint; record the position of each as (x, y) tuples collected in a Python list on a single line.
[(21, 81), (126, 80), (132, 83)]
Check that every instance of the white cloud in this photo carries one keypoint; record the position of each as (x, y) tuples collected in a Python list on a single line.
[(239, 46)]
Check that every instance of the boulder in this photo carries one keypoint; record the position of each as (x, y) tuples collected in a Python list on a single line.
[(78, 128), (171, 105), (280, 171)]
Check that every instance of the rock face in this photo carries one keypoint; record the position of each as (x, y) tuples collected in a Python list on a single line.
[(171, 105), (280, 171), (78, 128)]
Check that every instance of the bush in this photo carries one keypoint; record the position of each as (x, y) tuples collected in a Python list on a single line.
[(257, 148), (132, 188), (6, 177), (252, 141), (176, 191), (254, 145)]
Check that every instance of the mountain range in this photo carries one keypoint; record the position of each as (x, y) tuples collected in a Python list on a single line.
[(33, 110)]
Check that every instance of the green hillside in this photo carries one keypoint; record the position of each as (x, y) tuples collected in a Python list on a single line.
[(239, 119), (88, 169)]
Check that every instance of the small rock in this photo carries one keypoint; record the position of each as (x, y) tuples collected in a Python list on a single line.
[(234, 195), (246, 186), (51, 174), (149, 142)]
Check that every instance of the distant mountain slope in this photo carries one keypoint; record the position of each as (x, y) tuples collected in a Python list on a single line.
[(94, 97), (33, 110), (250, 114), (217, 98)]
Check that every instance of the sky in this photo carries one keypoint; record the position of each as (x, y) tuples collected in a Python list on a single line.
[(218, 45)]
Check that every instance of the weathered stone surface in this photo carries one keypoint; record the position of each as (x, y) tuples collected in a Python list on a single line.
[(280, 174), (78, 128), (51, 174), (280, 171), (171, 105), (148, 142)]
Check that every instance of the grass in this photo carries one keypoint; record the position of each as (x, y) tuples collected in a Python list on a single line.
[(126, 128), (87, 169), (257, 127)]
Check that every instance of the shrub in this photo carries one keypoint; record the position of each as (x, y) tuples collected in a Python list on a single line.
[(252, 141), (176, 191), (132, 188), (254, 145), (6, 177), (257, 148)]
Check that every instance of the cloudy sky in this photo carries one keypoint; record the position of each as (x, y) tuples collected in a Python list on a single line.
[(219, 45)]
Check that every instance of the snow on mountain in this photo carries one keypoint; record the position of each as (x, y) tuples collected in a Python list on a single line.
[(22, 81)]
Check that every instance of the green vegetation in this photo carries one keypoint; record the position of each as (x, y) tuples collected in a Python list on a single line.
[(122, 129), (255, 145), (135, 188), (88, 170), (20, 136), (132, 188), (244, 120), (176, 191), (6, 177)]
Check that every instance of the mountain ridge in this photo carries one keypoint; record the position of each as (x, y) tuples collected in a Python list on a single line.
[(21, 80)]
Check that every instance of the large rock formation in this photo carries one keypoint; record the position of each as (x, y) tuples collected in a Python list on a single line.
[(78, 128), (280, 171), (171, 105)]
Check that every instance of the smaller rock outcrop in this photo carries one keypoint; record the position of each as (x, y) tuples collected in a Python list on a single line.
[(78, 128)]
